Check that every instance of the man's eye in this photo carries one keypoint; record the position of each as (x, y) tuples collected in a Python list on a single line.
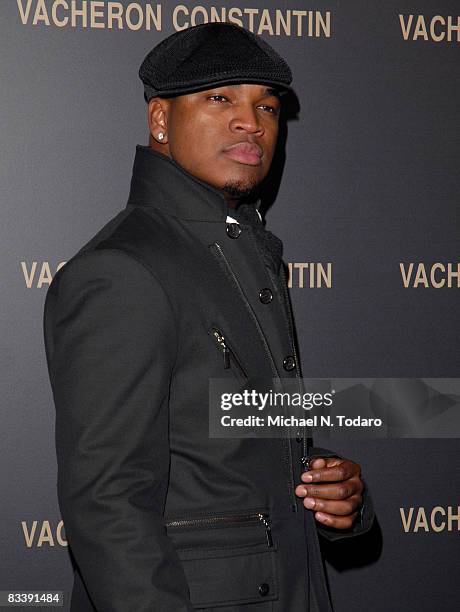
[(217, 96), (270, 109)]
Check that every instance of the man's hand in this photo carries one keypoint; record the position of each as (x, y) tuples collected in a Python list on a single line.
[(335, 492)]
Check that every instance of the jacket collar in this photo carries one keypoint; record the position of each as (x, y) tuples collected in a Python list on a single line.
[(160, 182)]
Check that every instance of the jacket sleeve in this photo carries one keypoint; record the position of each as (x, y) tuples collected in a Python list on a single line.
[(111, 346), (366, 515)]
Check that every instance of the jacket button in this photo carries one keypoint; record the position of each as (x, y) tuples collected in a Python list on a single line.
[(233, 230), (265, 296), (289, 363), (264, 589)]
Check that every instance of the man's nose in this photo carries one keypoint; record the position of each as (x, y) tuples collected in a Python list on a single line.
[(246, 118)]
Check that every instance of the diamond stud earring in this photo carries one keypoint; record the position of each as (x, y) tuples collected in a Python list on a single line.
[(161, 136)]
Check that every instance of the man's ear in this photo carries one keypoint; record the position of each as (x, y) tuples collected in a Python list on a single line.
[(157, 113)]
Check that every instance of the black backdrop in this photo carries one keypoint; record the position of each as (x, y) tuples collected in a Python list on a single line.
[(370, 185)]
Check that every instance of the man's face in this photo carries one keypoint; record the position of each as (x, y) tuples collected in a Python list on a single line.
[(225, 136)]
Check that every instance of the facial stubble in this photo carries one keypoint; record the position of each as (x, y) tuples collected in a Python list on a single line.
[(240, 189)]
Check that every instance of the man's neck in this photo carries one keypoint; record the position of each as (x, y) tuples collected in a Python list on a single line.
[(232, 202)]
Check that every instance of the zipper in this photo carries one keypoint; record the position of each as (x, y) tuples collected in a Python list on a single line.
[(304, 458), (210, 521), (226, 350), (218, 249)]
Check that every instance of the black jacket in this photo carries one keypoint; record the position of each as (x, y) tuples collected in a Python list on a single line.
[(159, 515)]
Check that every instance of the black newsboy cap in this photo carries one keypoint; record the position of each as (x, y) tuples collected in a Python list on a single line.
[(211, 54)]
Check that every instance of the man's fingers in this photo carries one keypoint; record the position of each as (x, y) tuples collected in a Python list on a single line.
[(333, 491), (340, 490), (339, 522), (328, 474), (334, 472), (318, 463), (336, 508)]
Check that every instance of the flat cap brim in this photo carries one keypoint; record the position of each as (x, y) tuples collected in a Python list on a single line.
[(151, 92)]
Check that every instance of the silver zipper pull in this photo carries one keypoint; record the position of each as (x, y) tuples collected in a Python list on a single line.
[(263, 519), (305, 463), (225, 351)]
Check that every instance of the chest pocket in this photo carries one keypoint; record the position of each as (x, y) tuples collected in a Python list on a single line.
[(230, 359)]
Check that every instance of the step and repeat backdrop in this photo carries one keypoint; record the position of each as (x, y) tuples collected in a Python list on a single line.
[(367, 205)]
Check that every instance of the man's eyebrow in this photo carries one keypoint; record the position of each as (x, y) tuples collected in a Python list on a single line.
[(269, 91)]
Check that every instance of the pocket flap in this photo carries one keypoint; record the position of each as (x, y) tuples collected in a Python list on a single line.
[(230, 576)]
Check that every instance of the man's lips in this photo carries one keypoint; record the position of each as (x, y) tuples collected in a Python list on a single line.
[(245, 153)]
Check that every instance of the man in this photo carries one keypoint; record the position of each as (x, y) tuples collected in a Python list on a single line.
[(183, 285)]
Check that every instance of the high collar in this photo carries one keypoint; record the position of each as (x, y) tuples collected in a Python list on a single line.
[(160, 182)]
